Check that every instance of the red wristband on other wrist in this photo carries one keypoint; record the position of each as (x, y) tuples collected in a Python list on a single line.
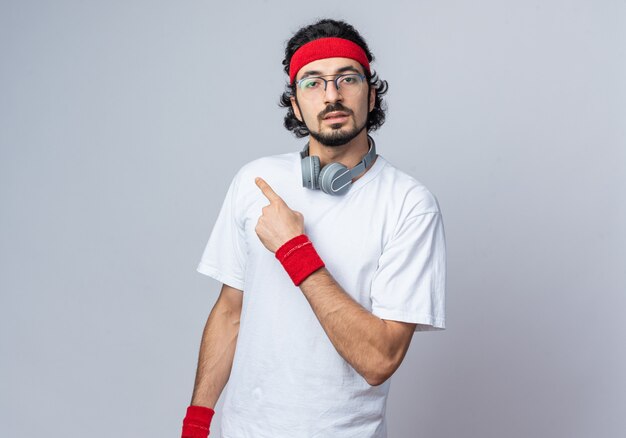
[(197, 422), (299, 258)]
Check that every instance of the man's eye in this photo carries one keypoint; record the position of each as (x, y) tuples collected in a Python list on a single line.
[(310, 84), (350, 80)]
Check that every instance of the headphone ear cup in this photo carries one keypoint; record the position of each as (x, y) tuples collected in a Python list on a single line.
[(335, 179), (310, 172)]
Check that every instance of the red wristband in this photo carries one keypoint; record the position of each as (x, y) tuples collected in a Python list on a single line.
[(299, 258), (197, 422)]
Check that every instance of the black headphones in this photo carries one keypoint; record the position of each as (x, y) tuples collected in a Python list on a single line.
[(334, 178)]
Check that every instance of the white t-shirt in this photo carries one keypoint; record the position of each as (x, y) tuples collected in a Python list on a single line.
[(383, 242)]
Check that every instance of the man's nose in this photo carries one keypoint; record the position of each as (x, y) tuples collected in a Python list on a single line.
[(332, 94)]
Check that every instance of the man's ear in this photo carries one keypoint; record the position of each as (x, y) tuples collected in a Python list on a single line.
[(296, 108), (372, 99)]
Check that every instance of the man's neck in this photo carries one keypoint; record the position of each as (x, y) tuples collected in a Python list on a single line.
[(349, 154)]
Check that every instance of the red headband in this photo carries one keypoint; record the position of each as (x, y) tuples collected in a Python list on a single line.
[(326, 48)]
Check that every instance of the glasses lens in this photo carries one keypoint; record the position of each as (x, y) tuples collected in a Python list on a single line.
[(312, 85), (350, 82)]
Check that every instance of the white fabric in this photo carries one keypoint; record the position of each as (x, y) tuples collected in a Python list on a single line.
[(383, 242)]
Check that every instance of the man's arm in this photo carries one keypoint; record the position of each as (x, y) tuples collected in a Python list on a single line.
[(374, 347), (217, 348)]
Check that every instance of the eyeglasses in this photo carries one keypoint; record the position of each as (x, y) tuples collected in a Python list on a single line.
[(315, 86)]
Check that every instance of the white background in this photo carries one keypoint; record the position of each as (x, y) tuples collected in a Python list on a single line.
[(123, 122)]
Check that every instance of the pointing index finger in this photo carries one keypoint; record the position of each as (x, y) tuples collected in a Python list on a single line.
[(267, 190)]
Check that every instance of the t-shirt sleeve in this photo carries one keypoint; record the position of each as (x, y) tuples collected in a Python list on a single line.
[(409, 283), (224, 257)]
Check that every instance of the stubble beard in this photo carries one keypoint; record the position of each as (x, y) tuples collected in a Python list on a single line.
[(337, 137)]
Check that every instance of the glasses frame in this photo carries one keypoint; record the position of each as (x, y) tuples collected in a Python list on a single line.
[(326, 81)]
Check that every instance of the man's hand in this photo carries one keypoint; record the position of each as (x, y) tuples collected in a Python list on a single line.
[(278, 223)]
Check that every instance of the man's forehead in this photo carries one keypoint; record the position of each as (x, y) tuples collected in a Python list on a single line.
[(329, 66)]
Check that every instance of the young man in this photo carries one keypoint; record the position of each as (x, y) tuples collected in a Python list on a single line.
[(328, 264)]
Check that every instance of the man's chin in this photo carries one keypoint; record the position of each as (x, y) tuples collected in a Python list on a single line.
[(332, 139), (336, 137)]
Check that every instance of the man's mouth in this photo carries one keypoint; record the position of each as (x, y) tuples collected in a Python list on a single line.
[(336, 117)]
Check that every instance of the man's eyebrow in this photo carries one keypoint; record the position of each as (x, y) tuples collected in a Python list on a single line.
[(348, 68), (340, 70), (311, 73)]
